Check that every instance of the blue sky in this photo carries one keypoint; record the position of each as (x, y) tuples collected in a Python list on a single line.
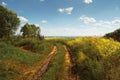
[(68, 17)]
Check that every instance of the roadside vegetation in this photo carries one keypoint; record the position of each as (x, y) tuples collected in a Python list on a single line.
[(95, 58), (15, 61)]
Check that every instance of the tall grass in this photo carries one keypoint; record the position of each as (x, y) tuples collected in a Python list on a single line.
[(35, 45), (14, 61), (55, 69)]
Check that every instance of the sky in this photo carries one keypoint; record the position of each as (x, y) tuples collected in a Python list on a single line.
[(68, 17)]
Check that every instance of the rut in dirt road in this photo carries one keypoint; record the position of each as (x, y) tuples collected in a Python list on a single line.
[(45, 64), (68, 65)]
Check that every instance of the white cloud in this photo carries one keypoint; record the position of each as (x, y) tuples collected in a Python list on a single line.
[(22, 19), (102, 26), (116, 22), (44, 21), (42, 0), (61, 10), (37, 25), (69, 10), (4, 4), (97, 28), (87, 20), (70, 31), (88, 1), (66, 10), (108, 24)]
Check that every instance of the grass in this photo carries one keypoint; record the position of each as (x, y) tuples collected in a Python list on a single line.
[(14, 62), (55, 69), (93, 58)]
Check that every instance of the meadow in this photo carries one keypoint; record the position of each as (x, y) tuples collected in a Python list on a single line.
[(92, 58)]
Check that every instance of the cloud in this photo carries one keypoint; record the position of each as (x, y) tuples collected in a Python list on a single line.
[(42, 0), (116, 22), (37, 25), (87, 1), (104, 24), (4, 4), (22, 19), (61, 10), (69, 10), (66, 10), (87, 20), (44, 21), (70, 31), (113, 24), (108, 24), (97, 28)]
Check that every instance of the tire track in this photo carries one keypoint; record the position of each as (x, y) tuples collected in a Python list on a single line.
[(68, 75), (45, 64)]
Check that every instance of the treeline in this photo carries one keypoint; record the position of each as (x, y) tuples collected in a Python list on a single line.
[(9, 23), (115, 35)]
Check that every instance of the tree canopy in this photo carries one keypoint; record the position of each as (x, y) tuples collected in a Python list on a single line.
[(30, 30), (9, 22), (115, 35)]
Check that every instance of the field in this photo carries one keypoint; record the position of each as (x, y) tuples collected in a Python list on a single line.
[(95, 58), (59, 40), (85, 58)]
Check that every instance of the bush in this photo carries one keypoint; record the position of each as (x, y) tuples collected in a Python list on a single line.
[(94, 56)]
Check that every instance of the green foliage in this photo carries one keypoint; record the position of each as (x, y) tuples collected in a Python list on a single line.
[(30, 30), (35, 45), (8, 22), (93, 58), (14, 62), (115, 35), (8, 52)]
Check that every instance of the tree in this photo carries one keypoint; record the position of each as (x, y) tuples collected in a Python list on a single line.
[(9, 22), (115, 35), (30, 30)]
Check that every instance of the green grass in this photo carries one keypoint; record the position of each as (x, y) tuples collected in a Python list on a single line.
[(13, 54), (55, 69), (35, 45), (10, 57), (13, 60)]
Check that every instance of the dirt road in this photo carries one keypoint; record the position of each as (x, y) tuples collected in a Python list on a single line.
[(45, 64), (67, 68)]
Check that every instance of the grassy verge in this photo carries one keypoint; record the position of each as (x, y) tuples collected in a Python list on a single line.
[(55, 69), (14, 62)]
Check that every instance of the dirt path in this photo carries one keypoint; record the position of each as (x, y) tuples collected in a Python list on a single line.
[(67, 69), (36, 71), (45, 63)]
